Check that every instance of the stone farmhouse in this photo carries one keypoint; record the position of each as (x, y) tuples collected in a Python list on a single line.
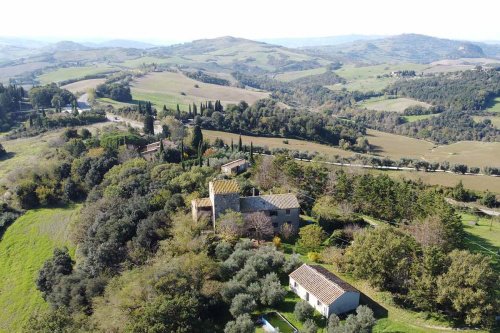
[(323, 290), (149, 152), (235, 167), (225, 195)]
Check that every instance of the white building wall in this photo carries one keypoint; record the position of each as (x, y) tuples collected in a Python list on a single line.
[(347, 302), (313, 301)]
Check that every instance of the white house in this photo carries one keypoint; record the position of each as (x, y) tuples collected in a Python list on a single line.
[(325, 291), (235, 167)]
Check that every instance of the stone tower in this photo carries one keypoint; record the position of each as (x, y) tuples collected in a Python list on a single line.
[(224, 195)]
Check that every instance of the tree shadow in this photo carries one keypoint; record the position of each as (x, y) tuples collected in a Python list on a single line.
[(378, 310), (7, 156)]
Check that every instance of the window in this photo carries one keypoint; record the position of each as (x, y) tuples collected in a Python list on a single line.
[(318, 303), (273, 213), (275, 225), (288, 212), (295, 284), (307, 296)]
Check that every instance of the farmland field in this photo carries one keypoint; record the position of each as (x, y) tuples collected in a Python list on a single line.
[(395, 147), (165, 88), (68, 73), (419, 117), (393, 105), (83, 85), (290, 76), (26, 244)]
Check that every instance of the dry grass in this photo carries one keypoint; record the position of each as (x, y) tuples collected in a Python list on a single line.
[(271, 143), (472, 153), (83, 85), (393, 105), (68, 73), (165, 88)]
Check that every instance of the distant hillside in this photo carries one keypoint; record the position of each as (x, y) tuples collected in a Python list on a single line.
[(319, 41), (238, 54), (64, 46), (122, 43), (407, 48)]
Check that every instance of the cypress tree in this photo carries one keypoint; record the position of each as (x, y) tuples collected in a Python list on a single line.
[(240, 144), (149, 127), (232, 145), (251, 153), (197, 138), (164, 107), (178, 109), (161, 152)]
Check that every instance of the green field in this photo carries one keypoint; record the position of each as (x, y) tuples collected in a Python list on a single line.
[(68, 73), (483, 235), (364, 78), (290, 76), (26, 244), (419, 117), (391, 104), (167, 88)]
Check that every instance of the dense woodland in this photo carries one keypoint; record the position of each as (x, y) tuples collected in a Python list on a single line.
[(467, 90), (10, 99)]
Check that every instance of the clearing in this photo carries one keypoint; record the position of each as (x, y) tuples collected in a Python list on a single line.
[(25, 246), (483, 235), (166, 88), (495, 106), (392, 104), (83, 85)]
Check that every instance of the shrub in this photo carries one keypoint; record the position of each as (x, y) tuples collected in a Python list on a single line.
[(311, 236), (313, 256), (277, 242), (242, 324), (242, 304), (303, 311), (223, 250), (309, 327)]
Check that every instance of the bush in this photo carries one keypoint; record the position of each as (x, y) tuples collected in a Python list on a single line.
[(313, 256), (242, 324), (223, 250), (242, 304), (303, 311), (2, 151), (311, 236), (277, 242), (309, 327), (489, 200)]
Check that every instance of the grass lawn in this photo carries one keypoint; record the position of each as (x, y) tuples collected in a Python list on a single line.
[(483, 236), (495, 119), (25, 246)]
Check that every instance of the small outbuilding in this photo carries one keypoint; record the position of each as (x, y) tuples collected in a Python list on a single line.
[(323, 290), (235, 167)]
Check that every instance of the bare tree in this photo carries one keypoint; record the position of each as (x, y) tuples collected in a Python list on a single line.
[(428, 232), (288, 231), (259, 226), (230, 225), (267, 174)]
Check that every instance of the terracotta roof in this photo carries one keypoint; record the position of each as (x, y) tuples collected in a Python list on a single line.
[(234, 163), (225, 186), (321, 283), (269, 202), (203, 202)]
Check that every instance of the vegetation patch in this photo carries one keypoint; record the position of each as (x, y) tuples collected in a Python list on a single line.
[(26, 244)]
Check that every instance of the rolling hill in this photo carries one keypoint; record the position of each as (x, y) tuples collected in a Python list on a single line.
[(406, 48)]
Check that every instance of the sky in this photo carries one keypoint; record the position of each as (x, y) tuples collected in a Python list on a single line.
[(186, 20)]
